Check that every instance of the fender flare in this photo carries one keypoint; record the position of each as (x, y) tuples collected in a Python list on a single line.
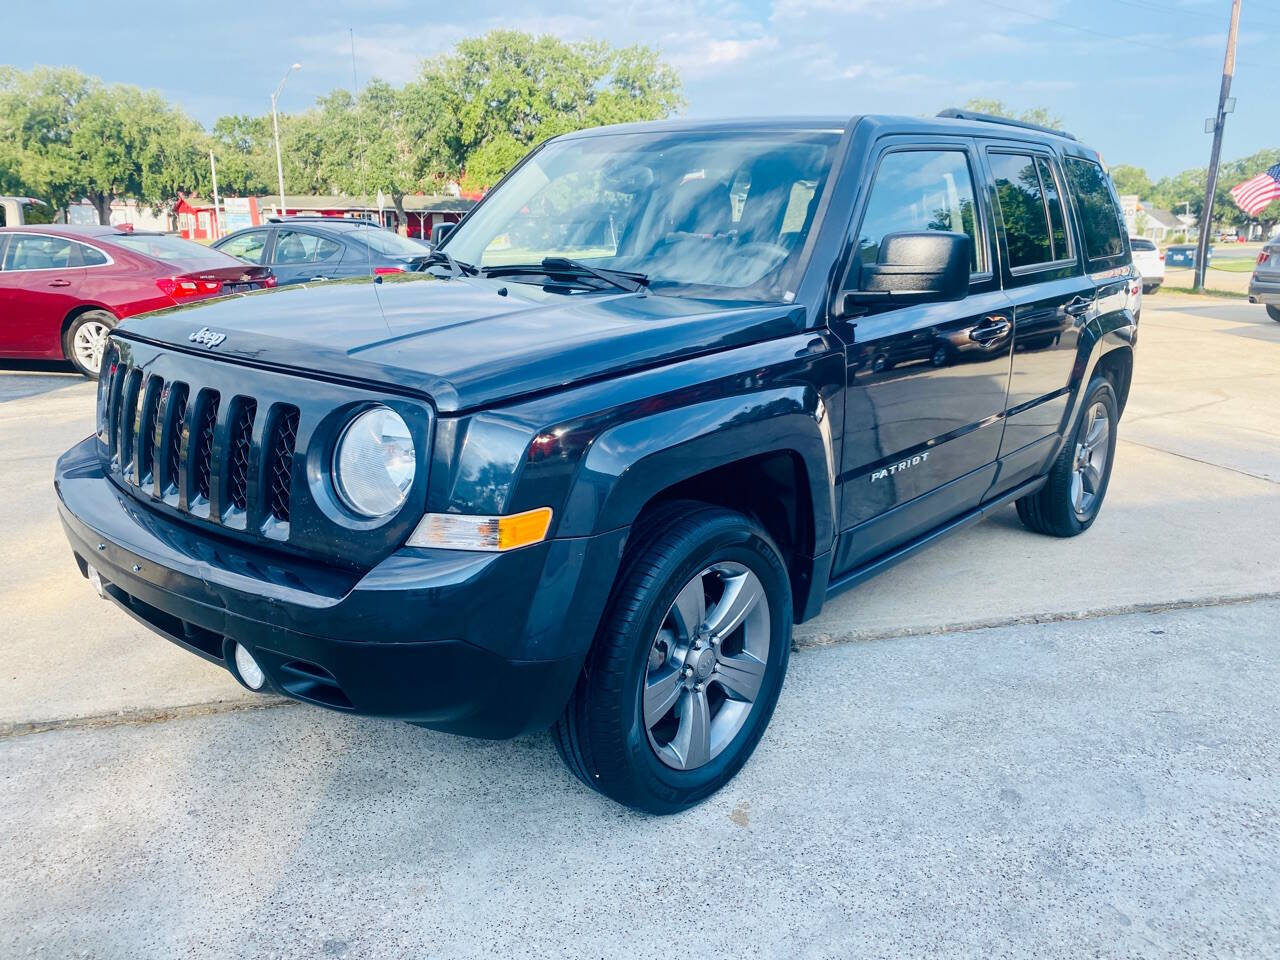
[(629, 464)]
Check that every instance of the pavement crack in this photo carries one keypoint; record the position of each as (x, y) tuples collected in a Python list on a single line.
[(11, 731), (1207, 463), (819, 640)]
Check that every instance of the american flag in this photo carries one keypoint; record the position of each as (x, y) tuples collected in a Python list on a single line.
[(1254, 195)]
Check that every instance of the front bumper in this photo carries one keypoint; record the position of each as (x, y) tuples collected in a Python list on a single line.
[(480, 644), (1264, 291)]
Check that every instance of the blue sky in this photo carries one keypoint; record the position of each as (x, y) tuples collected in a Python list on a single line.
[(1134, 78)]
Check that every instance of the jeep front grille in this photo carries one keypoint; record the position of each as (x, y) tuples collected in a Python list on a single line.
[(193, 449)]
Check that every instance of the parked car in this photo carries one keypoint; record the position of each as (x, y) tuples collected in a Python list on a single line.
[(1150, 263), (63, 288), (1264, 285), (589, 480), (302, 249)]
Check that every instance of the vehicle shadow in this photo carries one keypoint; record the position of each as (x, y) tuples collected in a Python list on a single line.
[(28, 378)]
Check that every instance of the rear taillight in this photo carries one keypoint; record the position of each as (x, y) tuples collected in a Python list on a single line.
[(1263, 257), (178, 289), (382, 271), (1162, 257), (269, 281)]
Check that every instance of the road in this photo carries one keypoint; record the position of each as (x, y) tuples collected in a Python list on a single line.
[(1078, 758)]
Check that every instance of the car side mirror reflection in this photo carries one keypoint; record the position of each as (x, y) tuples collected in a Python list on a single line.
[(926, 267), (441, 233)]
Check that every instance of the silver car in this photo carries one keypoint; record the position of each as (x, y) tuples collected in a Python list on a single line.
[(1264, 286)]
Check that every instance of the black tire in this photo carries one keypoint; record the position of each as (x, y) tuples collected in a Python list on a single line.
[(90, 319), (1273, 312), (1052, 509), (602, 737), (1151, 288)]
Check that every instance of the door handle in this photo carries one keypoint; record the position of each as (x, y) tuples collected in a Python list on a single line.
[(991, 328), (59, 283), (313, 279), (1077, 305)]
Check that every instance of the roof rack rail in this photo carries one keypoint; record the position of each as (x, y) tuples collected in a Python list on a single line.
[(953, 113)]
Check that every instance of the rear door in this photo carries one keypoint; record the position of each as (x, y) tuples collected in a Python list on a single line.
[(39, 279), (300, 256), (926, 382), (1053, 297)]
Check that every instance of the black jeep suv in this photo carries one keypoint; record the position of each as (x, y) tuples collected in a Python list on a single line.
[(664, 390)]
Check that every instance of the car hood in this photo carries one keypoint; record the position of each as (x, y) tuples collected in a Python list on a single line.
[(468, 342)]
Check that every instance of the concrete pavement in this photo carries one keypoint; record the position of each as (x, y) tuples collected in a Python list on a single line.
[(1103, 788), (1053, 788)]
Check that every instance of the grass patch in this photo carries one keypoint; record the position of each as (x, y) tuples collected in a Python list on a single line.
[(1229, 294), (1234, 266)]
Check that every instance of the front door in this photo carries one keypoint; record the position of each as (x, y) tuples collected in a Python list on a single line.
[(926, 383), (39, 279)]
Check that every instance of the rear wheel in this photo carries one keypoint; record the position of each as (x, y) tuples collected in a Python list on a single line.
[(687, 665), (1072, 496), (1273, 312), (86, 339)]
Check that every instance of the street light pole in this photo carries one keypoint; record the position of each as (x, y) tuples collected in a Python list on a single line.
[(275, 124), (1215, 154)]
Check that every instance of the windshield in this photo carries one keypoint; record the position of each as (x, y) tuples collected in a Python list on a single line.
[(712, 214), (185, 253), (392, 244)]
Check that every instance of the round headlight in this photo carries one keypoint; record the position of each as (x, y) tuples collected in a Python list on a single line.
[(375, 462)]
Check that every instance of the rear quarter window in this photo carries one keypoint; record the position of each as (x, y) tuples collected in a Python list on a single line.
[(1099, 216)]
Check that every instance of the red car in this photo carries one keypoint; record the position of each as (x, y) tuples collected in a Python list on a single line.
[(63, 287)]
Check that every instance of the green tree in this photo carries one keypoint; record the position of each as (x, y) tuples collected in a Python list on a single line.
[(507, 91), (1131, 180), (1041, 116)]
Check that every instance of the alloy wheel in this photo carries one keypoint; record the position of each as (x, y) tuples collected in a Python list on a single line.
[(706, 665), (1090, 461), (89, 342)]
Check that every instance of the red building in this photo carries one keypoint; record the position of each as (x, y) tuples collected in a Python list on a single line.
[(198, 220)]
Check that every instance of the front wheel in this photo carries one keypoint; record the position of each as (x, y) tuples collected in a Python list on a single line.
[(1072, 496), (86, 339), (1273, 312), (687, 665)]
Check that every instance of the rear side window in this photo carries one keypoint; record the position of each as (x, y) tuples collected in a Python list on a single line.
[(1099, 219), (1022, 207), (91, 256), (1136, 243), (919, 190)]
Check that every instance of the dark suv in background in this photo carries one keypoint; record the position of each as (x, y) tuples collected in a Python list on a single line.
[(300, 249), (663, 391)]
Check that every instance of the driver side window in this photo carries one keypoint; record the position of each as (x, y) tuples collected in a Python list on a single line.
[(919, 190)]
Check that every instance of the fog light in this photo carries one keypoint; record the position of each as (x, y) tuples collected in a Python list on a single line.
[(249, 670), (96, 579)]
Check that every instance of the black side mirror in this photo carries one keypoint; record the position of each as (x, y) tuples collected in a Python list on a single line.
[(441, 232), (927, 267)]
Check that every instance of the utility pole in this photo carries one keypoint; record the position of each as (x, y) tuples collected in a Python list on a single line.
[(1220, 118), (275, 125), (217, 212)]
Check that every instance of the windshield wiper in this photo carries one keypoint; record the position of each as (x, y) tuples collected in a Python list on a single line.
[(457, 268), (562, 266)]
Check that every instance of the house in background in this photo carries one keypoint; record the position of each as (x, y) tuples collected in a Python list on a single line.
[(1149, 221)]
